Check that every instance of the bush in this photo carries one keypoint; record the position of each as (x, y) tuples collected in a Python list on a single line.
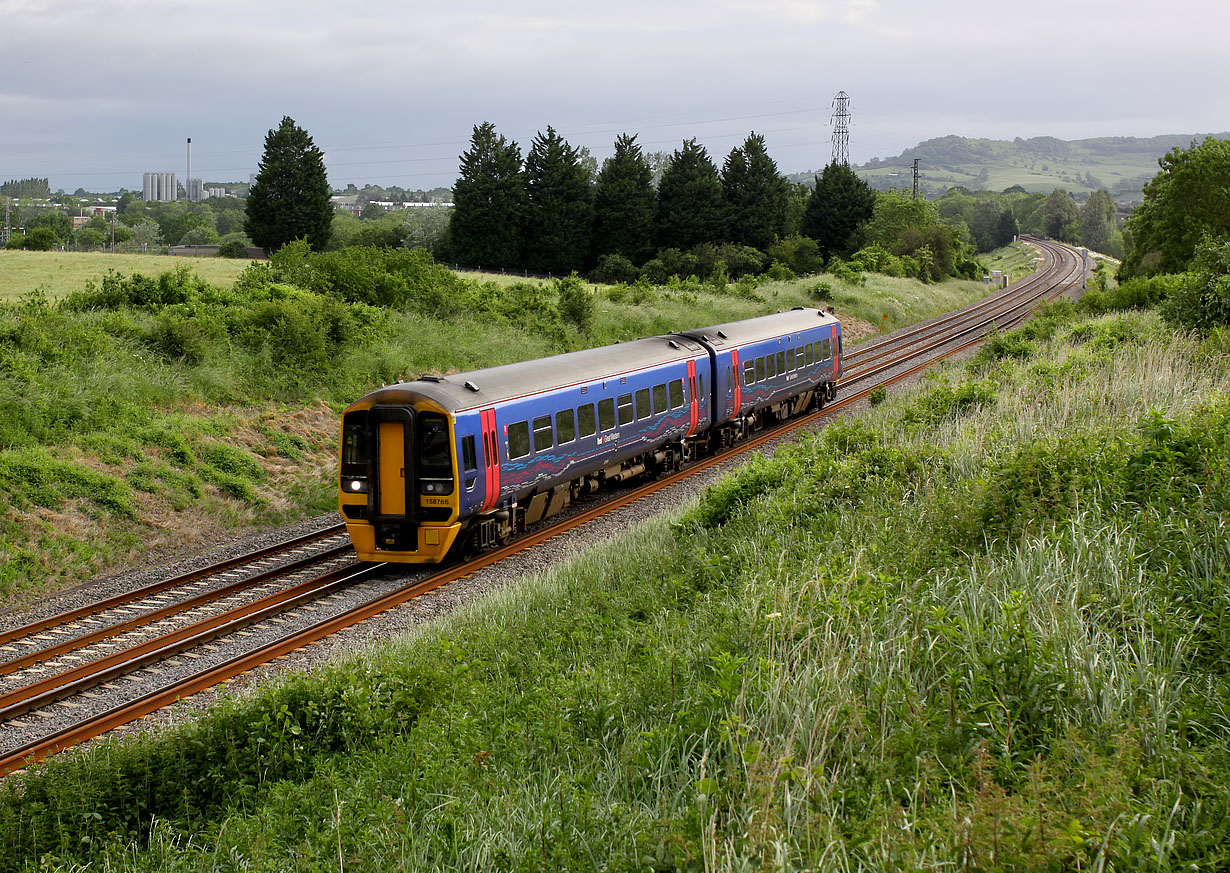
[(800, 253), (613, 270), (839, 269), (739, 260), (1200, 300), (233, 248), (40, 239), (1140, 293), (576, 303), (779, 272)]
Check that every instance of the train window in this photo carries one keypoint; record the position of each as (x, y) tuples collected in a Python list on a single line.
[(826, 349), (811, 353), (585, 419), (606, 413), (676, 392), (760, 369), (433, 441), (625, 408), (519, 439), (468, 457), (643, 409), (728, 382), (749, 372), (700, 382), (659, 399), (565, 427), (781, 362), (770, 366), (790, 365), (542, 433), (354, 442)]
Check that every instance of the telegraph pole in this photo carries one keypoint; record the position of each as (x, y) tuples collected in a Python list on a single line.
[(916, 178), (4, 231)]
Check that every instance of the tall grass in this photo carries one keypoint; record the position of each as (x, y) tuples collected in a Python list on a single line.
[(982, 628)]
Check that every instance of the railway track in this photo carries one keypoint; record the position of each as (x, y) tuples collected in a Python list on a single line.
[(71, 677)]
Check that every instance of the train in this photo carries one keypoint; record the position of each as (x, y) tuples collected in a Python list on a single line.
[(450, 465)]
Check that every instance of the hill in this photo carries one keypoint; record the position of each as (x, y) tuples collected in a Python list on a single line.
[(1121, 164)]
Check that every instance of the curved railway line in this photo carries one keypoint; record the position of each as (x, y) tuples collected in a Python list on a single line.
[(71, 677)]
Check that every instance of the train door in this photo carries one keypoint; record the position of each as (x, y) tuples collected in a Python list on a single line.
[(491, 461), (736, 378), (693, 406), (394, 511)]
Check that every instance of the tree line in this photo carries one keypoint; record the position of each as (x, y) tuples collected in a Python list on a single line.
[(550, 212)]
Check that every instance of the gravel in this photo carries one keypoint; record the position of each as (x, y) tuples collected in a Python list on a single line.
[(406, 618)]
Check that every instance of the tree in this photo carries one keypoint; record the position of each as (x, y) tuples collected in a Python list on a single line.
[(41, 239), (58, 221), (290, 198), (689, 200), (144, 234), (31, 188), (1097, 221), (754, 194), (1060, 216), (91, 237), (624, 204), (840, 203), (485, 229), (1188, 198), (559, 205)]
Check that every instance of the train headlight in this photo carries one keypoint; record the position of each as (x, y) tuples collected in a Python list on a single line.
[(356, 486)]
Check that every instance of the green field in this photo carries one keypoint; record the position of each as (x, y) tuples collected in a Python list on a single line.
[(982, 627), (58, 273), (151, 415)]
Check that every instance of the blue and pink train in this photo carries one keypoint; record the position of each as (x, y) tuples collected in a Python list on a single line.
[(462, 462)]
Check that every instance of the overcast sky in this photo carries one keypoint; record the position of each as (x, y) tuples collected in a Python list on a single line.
[(95, 92)]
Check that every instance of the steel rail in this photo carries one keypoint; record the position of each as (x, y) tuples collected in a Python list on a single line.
[(120, 715), (158, 587), (886, 345), (114, 630)]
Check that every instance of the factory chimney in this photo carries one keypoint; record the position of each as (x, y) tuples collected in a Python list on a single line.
[(189, 177)]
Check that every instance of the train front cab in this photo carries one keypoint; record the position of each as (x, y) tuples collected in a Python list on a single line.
[(398, 482)]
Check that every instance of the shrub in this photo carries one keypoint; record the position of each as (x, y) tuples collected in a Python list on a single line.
[(40, 239), (614, 269), (739, 260), (1144, 292), (779, 272), (800, 253), (839, 269), (998, 346), (655, 271), (233, 248), (576, 302)]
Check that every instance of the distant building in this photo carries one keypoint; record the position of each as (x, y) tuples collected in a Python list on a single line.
[(217, 192), (160, 188), (196, 190)]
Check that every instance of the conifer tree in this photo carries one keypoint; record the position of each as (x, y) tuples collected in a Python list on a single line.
[(560, 205), (485, 229), (689, 199), (624, 204), (755, 195), (840, 203), (290, 198)]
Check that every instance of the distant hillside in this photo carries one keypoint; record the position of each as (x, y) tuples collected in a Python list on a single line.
[(1121, 164)]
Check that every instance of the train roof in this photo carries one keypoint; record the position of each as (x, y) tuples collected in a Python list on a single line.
[(490, 385), (737, 333)]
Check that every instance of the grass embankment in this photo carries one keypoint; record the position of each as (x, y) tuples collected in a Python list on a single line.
[(985, 627), (143, 416), (59, 273)]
